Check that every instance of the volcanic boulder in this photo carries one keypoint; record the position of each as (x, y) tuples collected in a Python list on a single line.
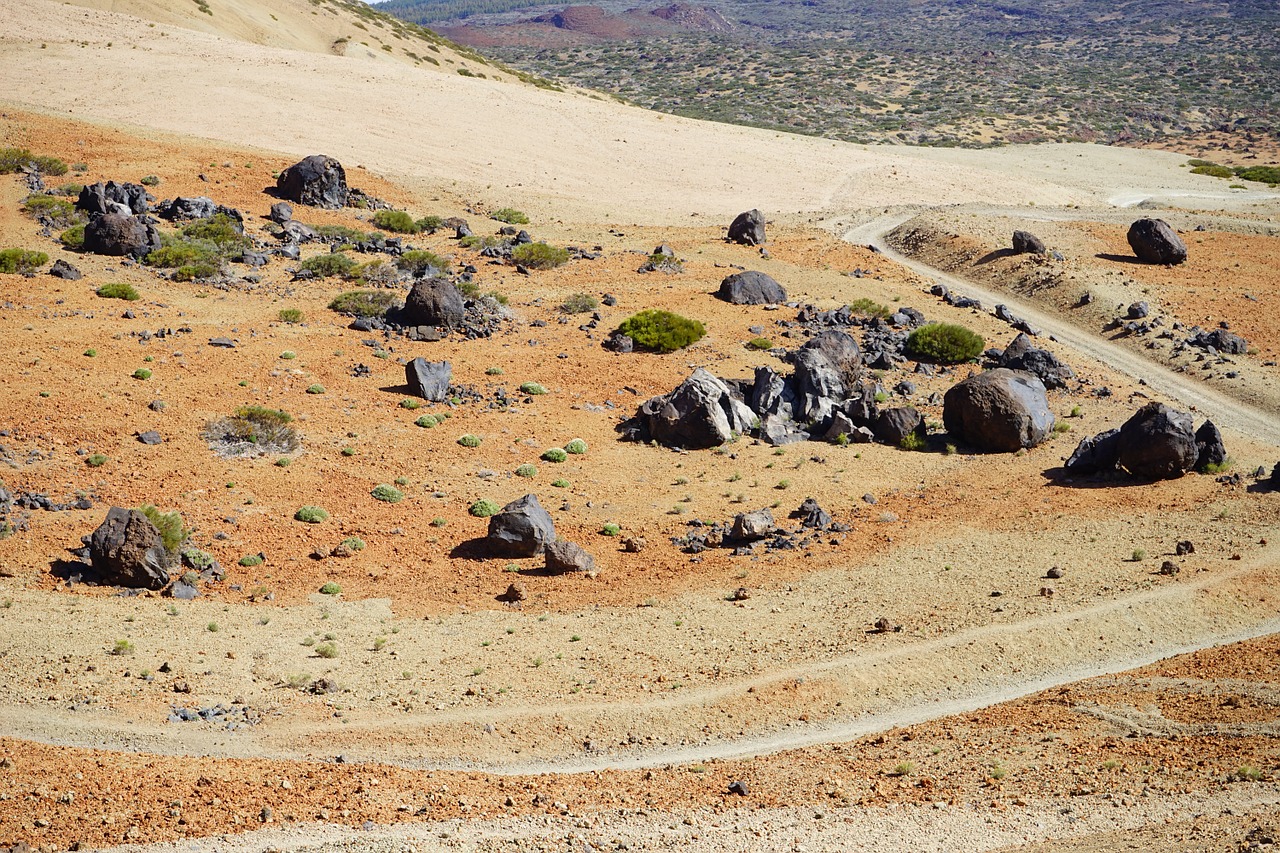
[(1157, 443), (1022, 355), (750, 526), (522, 529), (565, 557), (700, 413), (126, 550), (434, 302), (999, 411), (1155, 242), (748, 228), (1210, 450), (826, 369), (429, 379), (1096, 453), (1026, 243), (114, 198), (751, 288), (318, 181), (892, 426), (120, 234)]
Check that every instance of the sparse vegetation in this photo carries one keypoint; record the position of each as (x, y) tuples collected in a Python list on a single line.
[(327, 650), (142, 373), (311, 514), (315, 389), (252, 431), (533, 389), (119, 290), (96, 460), (864, 307), (387, 493), (576, 447), (509, 215), (469, 440), (945, 343), (331, 588), (662, 331), (16, 159), (396, 221), (554, 454), (21, 261), (363, 303), (760, 344), (579, 303), (527, 471), (420, 263), (251, 560), (539, 256), (122, 647), (484, 508), (610, 529), (293, 316), (332, 264)]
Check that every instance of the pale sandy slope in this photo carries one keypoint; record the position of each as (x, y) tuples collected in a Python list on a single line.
[(566, 156)]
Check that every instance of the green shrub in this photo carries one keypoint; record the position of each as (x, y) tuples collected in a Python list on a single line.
[(220, 229), (73, 237), (182, 254), (118, 291), (611, 529), (97, 460), (439, 521), (478, 242), (396, 221), (311, 514), (288, 355), (430, 224), (334, 263), (913, 441), (484, 508), (662, 331), (315, 389), (122, 647), (21, 260), (1213, 170), (560, 484), (252, 430), (577, 447), (150, 180), (526, 470), (16, 159), (192, 272), (510, 215), (292, 316), (760, 344), (330, 588), (533, 389), (946, 343), (469, 440), (327, 650), (554, 454), (427, 421), (421, 263), (342, 233), (172, 533), (387, 494), (865, 307), (352, 543), (1217, 467), (1262, 174), (579, 303), (142, 373), (250, 560), (410, 404), (363, 303), (539, 256)]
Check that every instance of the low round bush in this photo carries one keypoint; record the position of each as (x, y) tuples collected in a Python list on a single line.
[(291, 315), (554, 454), (250, 560), (611, 529), (73, 237), (142, 373), (469, 440), (946, 343), (539, 256), (510, 215), (527, 470), (387, 493), (396, 221), (533, 389), (311, 514), (334, 263), (760, 344), (21, 260), (484, 508), (661, 331), (422, 263), (560, 484), (119, 290), (427, 421), (577, 447), (363, 303), (315, 389), (97, 460), (579, 303), (330, 588)]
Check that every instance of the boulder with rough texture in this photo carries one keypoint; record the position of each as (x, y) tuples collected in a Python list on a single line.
[(892, 426), (1155, 242), (1221, 341), (429, 379), (318, 181), (748, 228), (114, 198), (751, 288), (751, 526), (826, 369), (63, 270), (563, 557), (701, 412), (1209, 447), (188, 207), (1157, 443), (998, 411), (1023, 355), (120, 234), (434, 302), (812, 515), (522, 529), (1096, 453), (281, 212), (126, 550), (1026, 243)]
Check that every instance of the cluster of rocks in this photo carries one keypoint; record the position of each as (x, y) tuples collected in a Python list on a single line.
[(749, 531), (524, 529), (1156, 443), (232, 717), (1021, 354), (953, 299), (436, 308)]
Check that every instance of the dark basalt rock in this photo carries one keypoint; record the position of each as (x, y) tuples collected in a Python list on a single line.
[(1155, 242), (318, 181), (748, 228)]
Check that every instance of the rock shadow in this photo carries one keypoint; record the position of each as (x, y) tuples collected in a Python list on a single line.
[(1122, 259), (1060, 476), (994, 256)]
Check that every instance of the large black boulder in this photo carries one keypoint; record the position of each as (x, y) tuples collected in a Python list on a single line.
[(114, 198), (892, 426), (827, 368), (434, 302), (126, 550), (999, 411), (1026, 243), (702, 412), (318, 181), (522, 529), (751, 288), (1209, 447), (1023, 355), (1157, 443), (748, 228), (1155, 242), (1095, 454), (1222, 341), (428, 379), (120, 234)]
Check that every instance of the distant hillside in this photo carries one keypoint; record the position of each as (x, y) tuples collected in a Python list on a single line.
[(342, 27), (943, 72)]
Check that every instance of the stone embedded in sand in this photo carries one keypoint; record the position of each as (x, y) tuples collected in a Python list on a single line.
[(1184, 547), (1044, 365), (1096, 453), (563, 557), (126, 550), (63, 270), (522, 529), (429, 379), (1155, 242), (1026, 243), (1157, 442), (751, 288), (748, 228), (999, 411), (318, 181), (281, 212)]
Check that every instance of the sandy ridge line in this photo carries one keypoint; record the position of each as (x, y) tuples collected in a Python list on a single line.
[(1225, 411), (1144, 628)]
